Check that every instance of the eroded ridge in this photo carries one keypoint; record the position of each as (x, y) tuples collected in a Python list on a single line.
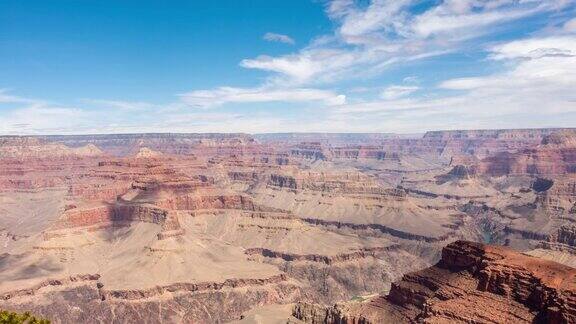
[(472, 283)]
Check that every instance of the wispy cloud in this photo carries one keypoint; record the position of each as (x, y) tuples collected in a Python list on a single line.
[(535, 91), (118, 104), (396, 91), (371, 37), (41, 119), (274, 37), (220, 96), (102, 116), (7, 98)]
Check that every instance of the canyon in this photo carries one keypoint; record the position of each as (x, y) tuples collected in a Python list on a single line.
[(448, 226)]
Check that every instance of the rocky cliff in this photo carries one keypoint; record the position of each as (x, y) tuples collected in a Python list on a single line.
[(555, 155), (472, 283)]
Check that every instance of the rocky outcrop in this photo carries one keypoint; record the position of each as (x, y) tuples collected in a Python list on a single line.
[(555, 155), (116, 215), (17, 147), (146, 153), (52, 282), (566, 235), (378, 227), (317, 314), (458, 172), (244, 176), (363, 152), (342, 182), (326, 259), (543, 287), (84, 304), (472, 283), (136, 294), (462, 172), (563, 138), (97, 192), (310, 150), (198, 202), (480, 143), (501, 134), (128, 144)]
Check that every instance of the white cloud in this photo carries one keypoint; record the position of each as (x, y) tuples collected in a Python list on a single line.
[(370, 38), (297, 67), (379, 16), (6, 98), (274, 37), (534, 91), (35, 119), (411, 79), (30, 116), (534, 48), (466, 18), (222, 95), (397, 91), (118, 104), (44, 119), (463, 83)]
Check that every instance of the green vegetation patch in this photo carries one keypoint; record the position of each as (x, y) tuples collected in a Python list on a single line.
[(7, 317)]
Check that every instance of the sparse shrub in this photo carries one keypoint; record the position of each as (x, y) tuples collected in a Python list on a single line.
[(7, 317)]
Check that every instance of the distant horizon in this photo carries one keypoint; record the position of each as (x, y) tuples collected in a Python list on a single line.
[(330, 66), (296, 133)]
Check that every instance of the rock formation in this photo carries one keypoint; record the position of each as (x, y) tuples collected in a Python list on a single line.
[(472, 283)]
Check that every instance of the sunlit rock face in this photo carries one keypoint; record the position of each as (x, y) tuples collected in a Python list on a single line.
[(471, 283)]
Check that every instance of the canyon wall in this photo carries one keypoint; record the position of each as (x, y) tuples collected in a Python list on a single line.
[(471, 283)]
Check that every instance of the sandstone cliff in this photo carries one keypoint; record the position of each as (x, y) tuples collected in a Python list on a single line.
[(472, 283)]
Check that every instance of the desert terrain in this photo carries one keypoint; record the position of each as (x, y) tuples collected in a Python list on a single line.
[(290, 227)]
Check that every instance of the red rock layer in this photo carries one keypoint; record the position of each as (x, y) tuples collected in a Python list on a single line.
[(109, 215), (479, 143), (342, 182), (472, 283), (556, 155), (184, 144)]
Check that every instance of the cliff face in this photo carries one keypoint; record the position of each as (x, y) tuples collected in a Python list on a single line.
[(34, 148), (472, 283), (344, 182), (555, 155), (127, 144), (481, 143), (500, 134), (499, 276), (213, 302)]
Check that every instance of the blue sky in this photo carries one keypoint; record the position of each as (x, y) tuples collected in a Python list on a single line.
[(279, 66)]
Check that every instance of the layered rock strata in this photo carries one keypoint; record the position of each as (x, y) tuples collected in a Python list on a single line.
[(472, 283)]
